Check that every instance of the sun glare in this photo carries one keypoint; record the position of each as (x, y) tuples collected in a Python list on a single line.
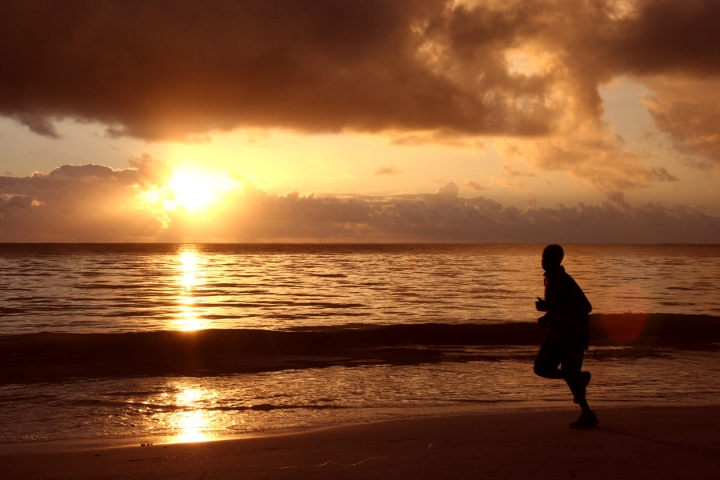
[(193, 192), (187, 193)]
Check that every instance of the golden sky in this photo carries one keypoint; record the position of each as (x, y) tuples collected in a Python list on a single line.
[(423, 120)]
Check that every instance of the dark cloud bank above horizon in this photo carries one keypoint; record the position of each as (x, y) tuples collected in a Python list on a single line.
[(184, 69), (94, 203)]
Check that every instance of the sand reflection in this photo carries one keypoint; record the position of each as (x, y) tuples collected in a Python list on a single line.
[(191, 421), (189, 278)]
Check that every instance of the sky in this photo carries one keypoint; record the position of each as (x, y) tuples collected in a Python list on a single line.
[(569, 121)]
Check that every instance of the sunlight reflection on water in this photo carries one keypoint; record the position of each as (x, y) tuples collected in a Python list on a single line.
[(191, 421), (190, 277), (194, 409)]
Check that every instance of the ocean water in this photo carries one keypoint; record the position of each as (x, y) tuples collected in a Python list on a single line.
[(128, 288), (86, 290)]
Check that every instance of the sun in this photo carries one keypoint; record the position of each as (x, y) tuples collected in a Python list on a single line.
[(187, 192), (192, 191)]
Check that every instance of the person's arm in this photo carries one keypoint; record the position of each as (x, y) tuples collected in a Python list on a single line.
[(541, 305)]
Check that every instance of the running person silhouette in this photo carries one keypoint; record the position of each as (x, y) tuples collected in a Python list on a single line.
[(567, 316)]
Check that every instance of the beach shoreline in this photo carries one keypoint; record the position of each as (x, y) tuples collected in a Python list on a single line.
[(75, 444), (640, 442), (130, 410)]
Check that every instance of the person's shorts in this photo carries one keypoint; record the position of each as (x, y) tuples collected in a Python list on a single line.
[(556, 352)]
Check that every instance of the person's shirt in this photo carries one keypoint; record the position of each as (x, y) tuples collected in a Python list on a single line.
[(567, 305)]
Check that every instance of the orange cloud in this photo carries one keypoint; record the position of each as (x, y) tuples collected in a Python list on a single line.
[(93, 203), (472, 185), (684, 108), (513, 172), (516, 185), (594, 156), (387, 171)]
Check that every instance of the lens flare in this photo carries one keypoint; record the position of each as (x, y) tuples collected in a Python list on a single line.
[(631, 325)]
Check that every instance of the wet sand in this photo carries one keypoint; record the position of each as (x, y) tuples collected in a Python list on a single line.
[(630, 444)]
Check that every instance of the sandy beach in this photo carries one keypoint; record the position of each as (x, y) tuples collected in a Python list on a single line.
[(661, 442)]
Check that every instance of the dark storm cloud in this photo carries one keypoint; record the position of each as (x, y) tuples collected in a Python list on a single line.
[(672, 47), (90, 203), (666, 36), (184, 68), (177, 69)]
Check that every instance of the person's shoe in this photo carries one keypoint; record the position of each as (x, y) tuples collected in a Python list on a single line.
[(584, 381), (586, 420)]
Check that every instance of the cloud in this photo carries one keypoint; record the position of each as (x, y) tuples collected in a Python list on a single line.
[(450, 190), (37, 123), (516, 185), (161, 71), (441, 137), (686, 109), (600, 162), (664, 36), (74, 203), (513, 172), (178, 71), (419, 71), (387, 171), (443, 218), (150, 170), (93, 203), (472, 185)]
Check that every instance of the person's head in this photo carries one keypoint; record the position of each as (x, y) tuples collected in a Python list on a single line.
[(552, 257)]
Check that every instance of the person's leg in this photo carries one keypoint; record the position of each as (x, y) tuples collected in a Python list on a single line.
[(548, 359), (574, 376), (577, 380)]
